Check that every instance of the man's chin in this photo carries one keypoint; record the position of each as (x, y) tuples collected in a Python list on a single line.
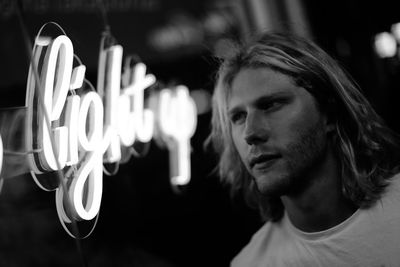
[(272, 184)]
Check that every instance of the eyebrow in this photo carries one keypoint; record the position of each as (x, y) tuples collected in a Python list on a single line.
[(261, 100)]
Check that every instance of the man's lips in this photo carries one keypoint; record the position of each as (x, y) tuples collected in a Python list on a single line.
[(263, 159)]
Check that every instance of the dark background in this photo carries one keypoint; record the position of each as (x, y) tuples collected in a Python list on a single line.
[(142, 221)]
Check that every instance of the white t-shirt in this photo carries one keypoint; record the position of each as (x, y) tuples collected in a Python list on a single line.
[(370, 237)]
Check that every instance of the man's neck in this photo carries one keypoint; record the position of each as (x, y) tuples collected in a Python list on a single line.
[(322, 204)]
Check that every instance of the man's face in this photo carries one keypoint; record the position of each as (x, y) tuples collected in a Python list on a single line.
[(277, 129)]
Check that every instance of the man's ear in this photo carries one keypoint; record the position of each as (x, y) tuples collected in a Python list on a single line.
[(330, 116), (328, 112), (329, 122)]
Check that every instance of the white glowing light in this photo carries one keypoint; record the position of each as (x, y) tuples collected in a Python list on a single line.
[(180, 162), (395, 29), (90, 173), (59, 57), (60, 135), (71, 118), (78, 75), (385, 45), (112, 87), (92, 109), (126, 122), (61, 49), (89, 176), (43, 40), (135, 121), (178, 119)]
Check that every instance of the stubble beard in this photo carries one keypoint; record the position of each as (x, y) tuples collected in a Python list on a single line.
[(301, 158)]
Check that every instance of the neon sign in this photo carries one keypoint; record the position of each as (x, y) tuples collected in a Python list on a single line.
[(79, 130), (177, 113)]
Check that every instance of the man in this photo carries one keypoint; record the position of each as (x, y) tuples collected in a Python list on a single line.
[(296, 136)]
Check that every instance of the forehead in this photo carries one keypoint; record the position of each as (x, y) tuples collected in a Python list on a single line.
[(251, 84)]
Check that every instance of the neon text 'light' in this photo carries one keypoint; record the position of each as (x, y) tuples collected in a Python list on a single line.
[(89, 128)]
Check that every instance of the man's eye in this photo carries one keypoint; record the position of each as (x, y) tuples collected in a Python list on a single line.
[(271, 105), (238, 117)]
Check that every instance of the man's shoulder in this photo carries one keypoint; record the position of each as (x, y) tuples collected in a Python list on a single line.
[(259, 236), (395, 178), (388, 206), (259, 244), (393, 189), (250, 251)]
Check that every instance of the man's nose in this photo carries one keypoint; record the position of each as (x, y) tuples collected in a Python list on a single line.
[(255, 129)]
